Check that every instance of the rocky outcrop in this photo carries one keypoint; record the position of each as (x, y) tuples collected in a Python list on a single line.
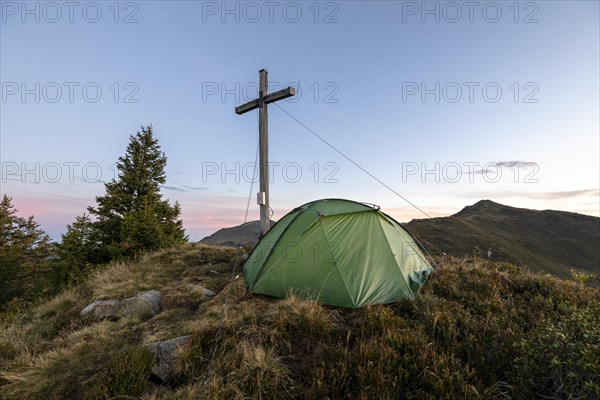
[(164, 356), (143, 303)]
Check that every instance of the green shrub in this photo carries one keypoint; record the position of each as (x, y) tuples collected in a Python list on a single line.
[(561, 358)]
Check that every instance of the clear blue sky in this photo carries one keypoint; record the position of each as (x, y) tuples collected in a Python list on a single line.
[(401, 88)]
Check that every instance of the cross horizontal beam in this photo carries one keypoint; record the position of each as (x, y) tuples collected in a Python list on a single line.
[(270, 98)]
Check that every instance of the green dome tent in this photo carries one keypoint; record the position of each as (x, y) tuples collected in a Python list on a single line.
[(339, 252)]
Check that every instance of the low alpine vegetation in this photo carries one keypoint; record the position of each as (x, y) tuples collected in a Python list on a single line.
[(479, 329)]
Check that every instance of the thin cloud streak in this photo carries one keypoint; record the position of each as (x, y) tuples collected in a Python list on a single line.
[(197, 188), (504, 164), (559, 195), (173, 188), (186, 188), (569, 194)]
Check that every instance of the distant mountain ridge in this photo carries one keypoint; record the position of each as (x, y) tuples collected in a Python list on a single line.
[(546, 241), (242, 235)]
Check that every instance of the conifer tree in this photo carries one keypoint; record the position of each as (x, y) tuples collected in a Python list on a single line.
[(132, 216), (24, 250), (78, 250)]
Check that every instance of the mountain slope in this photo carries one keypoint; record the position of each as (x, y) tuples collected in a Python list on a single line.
[(546, 241), (242, 235)]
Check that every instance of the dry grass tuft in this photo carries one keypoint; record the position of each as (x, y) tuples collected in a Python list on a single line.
[(62, 371)]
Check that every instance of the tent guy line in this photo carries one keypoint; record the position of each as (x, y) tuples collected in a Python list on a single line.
[(252, 182), (352, 161)]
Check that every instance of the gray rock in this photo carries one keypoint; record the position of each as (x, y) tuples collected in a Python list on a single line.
[(164, 355), (207, 292), (203, 290), (141, 303), (101, 309)]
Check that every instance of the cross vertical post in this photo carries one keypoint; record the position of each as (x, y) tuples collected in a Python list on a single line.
[(264, 98), (263, 145)]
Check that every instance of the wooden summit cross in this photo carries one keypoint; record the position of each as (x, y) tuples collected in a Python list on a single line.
[(264, 98)]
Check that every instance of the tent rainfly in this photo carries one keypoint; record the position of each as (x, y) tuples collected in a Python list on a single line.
[(339, 252)]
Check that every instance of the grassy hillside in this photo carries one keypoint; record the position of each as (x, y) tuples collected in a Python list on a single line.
[(479, 330), (545, 241)]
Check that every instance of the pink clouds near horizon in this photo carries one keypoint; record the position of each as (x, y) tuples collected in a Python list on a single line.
[(204, 213)]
